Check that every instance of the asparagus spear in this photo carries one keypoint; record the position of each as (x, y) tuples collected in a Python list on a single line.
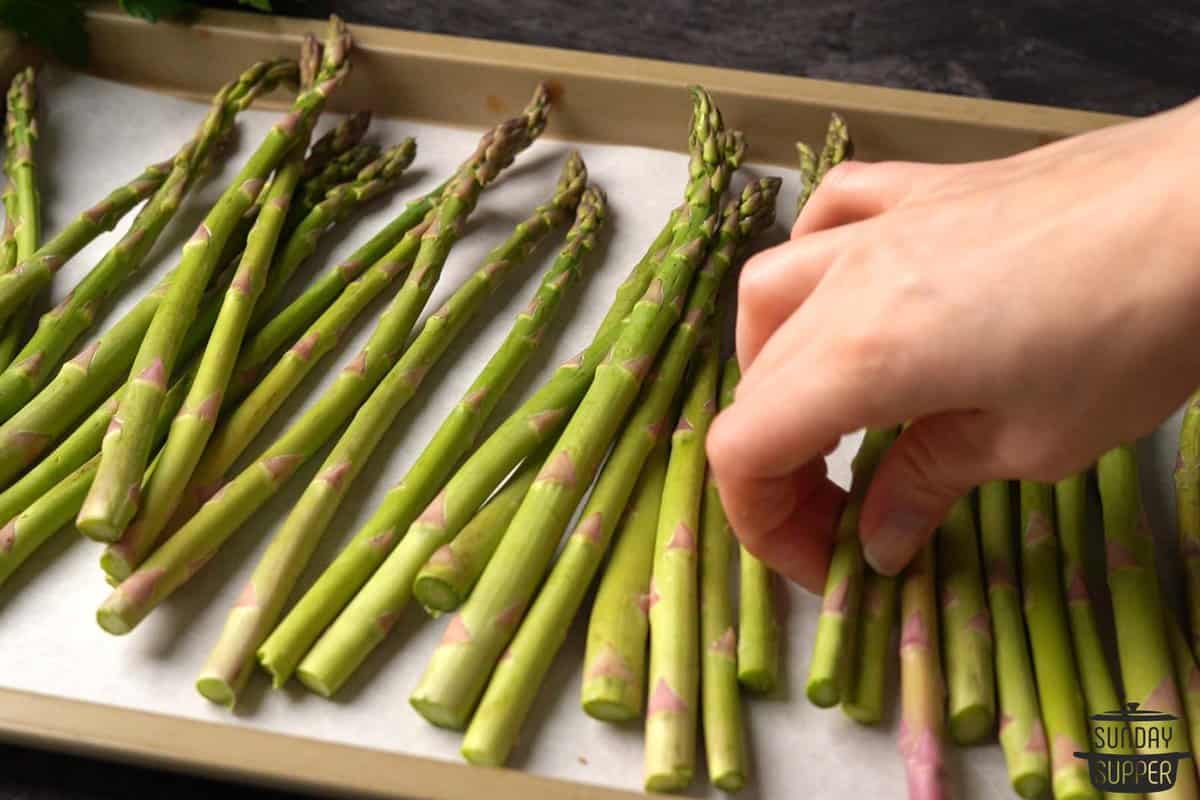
[(829, 668), (614, 665), (720, 703), (32, 274), (674, 638), (1096, 679), (456, 673), (339, 170), (1143, 648), (1022, 735), (1054, 664), (922, 689), (174, 562), (1187, 505), (1187, 675), (838, 147), (863, 696), (808, 175), (452, 571), (62, 326), (291, 548), (195, 421), (966, 627), (357, 630), (114, 496), (333, 146), (25, 208), (540, 636)]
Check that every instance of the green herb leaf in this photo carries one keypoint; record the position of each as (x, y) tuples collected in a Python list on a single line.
[(261, 5), (56, 25), (154, 10)]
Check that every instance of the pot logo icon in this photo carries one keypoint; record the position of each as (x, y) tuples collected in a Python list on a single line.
[(1132, 751)]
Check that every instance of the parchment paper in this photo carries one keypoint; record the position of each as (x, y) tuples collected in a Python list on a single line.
[(97, 134)]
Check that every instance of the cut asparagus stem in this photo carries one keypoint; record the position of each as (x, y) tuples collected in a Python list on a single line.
[(357, 630), (614, 665), (758, 621), (922, 690), (26, 208), (966, 628), (1096, 679), (114, 496), (452, 571), (98, 369), (1063, 712), (829, 669), (1022, 735), (177, 559), (232, 659), (870, 659), (720, 698), (674, 671), (455, 676), (1143, 648), (1187, 505), (61, 327)]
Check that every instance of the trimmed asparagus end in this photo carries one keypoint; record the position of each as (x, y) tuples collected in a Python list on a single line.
[(863, 714), (314, 683), (971, 725), (759, 679), (99, 529), (216, 690), (116, 567), (1032, 786), (435, 595), (438, 714), (481, 757), (675, 780), (112, 622), (614, 707), (731, 781), (823, 692)]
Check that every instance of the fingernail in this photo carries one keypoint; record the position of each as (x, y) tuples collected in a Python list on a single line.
[(891, 547)]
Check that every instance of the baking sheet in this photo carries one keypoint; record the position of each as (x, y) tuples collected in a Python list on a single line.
[(96, 134)]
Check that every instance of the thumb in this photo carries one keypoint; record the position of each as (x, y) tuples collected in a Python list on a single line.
[(935, 461)]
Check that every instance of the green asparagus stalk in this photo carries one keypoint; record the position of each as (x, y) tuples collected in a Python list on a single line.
[(614, 665), (1022, 735), (966, 627), (339, 170), (194, 424), (829, 669), (1187, 676), (1187, 506), (838, 147), (758, 621), (528, 429), (247, 626), (114, 496), (1143, 647), (1063, 712), (720, 699), (26, 210), (31, 275), (808, 175), (458, 669), (62, 326), (451, 572), (357, 630), (372, 179), (674, 639), (100, 366), (1096, 679), (864, 695), (922, 689), (177, 559)]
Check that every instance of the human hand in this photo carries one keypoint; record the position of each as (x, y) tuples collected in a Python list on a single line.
[(1026, 314)]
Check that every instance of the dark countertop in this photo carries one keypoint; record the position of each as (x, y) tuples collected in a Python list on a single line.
[(1130, 58)]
